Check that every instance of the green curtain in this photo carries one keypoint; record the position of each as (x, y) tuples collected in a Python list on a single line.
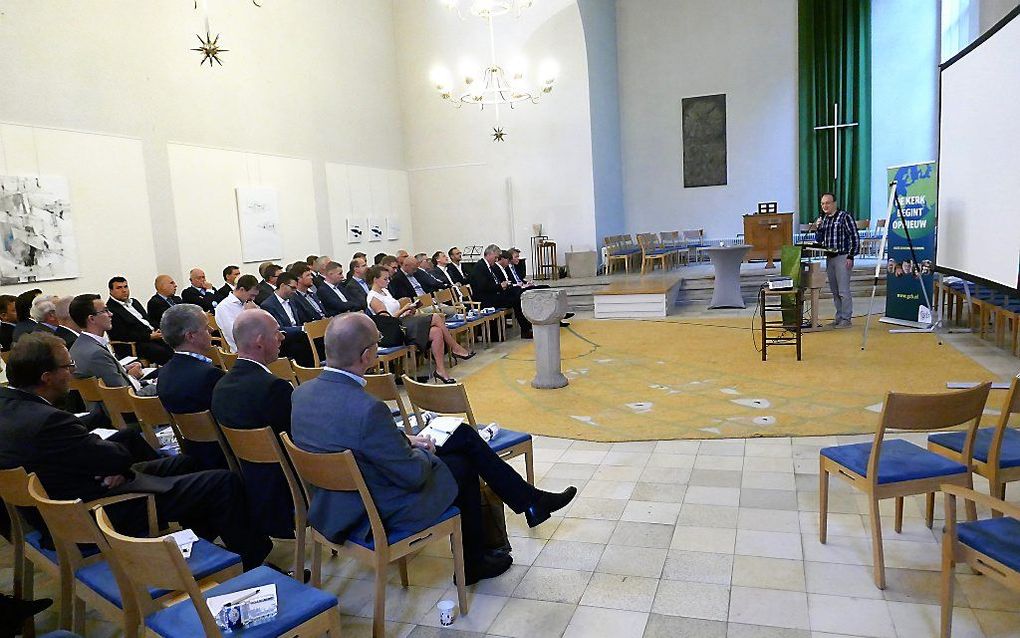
[(835, 67)]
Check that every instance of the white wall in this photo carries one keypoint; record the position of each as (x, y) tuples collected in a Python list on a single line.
[(458, 175), (671, 49), (366, 194), (109, 202)]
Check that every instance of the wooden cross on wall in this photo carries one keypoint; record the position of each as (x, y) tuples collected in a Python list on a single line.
[(835, 127)]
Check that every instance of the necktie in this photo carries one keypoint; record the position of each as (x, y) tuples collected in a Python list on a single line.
[(418, 290), (336, 289), (314, 301)]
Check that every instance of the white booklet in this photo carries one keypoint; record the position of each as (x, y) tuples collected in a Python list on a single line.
[(440, 428), (244, 608), (184, 539)]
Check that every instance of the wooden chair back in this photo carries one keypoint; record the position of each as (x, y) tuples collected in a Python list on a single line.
[(384, 388), (445, 399), (445, 296), (88, 388), (229, 358), (151, 415), (117, 404), (315, 330), (210, 319), (201, 427), (281, 368), (863, 224), (157, 563), (216, 355), (304, 374), (1010, 407)]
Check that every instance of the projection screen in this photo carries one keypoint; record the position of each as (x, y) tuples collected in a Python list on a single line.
[(979, 158)]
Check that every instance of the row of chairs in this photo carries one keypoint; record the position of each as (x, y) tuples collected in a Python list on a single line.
[(988, 311), (896, 468), (871, 238), (666, 249)]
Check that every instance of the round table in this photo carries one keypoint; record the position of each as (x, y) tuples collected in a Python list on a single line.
[(726, 260)]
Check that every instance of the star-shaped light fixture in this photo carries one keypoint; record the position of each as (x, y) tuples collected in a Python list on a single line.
[(210, 49), (498, 134)]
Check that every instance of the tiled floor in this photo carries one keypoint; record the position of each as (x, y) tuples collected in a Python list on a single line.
[(684, 539)]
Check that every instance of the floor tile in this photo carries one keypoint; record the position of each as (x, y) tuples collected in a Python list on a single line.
[(925, 620), (702, 567), (736, 630), (768, 499), (659, 492), (840, 580), (502, 585), (526, 549), (768, 573), (768, 520), (596, 622), (722, 447), (620, 592), (570, 555), (482, 610), (555, 585), (714, 478), (716, 462), (580, 471), (866, 617), (585, 530), (769, 480), (630, 459), (703, 539), (603, 508), (637, 534), (522, 618), (405, 605), (768, 464), (768, 544), (707, 515), (651, 512), (692, 600), (608, 489), (673, 475), (659, 626), (997, 624), (619, 472), (359, 627), (671, 460), (632, 561), (774, 608), (700, 495), (677, 447), (583, 456), (982, 593)]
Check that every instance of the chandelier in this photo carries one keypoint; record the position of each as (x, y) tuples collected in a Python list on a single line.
[(492, 85)]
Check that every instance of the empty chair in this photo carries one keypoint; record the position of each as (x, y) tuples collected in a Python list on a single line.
[(152, 416), (897, 468)]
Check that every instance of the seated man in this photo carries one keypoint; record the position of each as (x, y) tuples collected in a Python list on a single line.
[(230, 275), (202, 293), (165, 297), (249, 397), (491, 292), (8, 318), (92, 353), (131, 324), (305, 300), (290, 317), (240, 299), (44, 313), (186, 382), (23, 313), (410, 484), (68, 329), (72, 463), (333, 294), (269, 274), (356, 289)]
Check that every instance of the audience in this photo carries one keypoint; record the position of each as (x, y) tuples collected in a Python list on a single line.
[(71, 463), (44, 314), (165, 297), (132, 325), (8, 319), (304, 298), (333, 294), (23, 312), (488, 289), (280, 304), (67, 329), (267, 286), (410, 281), (240, 299), (319, 270), (424, 331), (412, 483), (454, 269), (92, 353), (356, 287), (230, 275), (201, 292)]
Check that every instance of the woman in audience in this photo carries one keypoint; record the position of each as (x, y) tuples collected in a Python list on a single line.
[(424, 331)]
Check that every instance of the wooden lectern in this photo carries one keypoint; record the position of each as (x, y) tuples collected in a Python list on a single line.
[(767, 234)]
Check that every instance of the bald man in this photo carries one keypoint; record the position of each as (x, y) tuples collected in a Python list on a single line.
[(165, 297), (201, 292), (413, 483), (249, 397)]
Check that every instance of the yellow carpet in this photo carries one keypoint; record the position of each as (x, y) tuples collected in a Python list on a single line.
[(644, 380)]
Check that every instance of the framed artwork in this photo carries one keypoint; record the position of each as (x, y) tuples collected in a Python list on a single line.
[(375, 229), (36, 233), (703, 121), (258, 219), (392, 228), (355, 230)]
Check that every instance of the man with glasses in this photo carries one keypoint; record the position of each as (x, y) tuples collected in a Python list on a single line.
[(93, 352)]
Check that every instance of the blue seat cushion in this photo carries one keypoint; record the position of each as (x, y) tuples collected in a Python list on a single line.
[(391, 350), (34, 538), (1009, 457), (206, 558), (998, 538), (297, 604), (455, 324), (396, 536), (899, 461), (508, 438)]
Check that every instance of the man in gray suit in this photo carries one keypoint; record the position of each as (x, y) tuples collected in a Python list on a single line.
[(411, 485), (91, 350)]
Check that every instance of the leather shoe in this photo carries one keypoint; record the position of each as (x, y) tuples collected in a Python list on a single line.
[(564, 324), (486, 567), (546, 504), (568, 315)]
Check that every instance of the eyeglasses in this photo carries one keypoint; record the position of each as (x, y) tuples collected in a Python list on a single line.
[(377, 342), (102, 311), (69, 366)]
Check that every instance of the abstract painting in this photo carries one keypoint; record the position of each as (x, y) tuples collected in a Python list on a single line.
[(258, 218), (375, 229), (392, 228), (355, 230), (704, 140), (36, 234)]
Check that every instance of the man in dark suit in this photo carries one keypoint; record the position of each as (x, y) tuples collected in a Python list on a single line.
[(71, 463), (165, 297), (290, 319), (268, 284), (130, 323), (409, 282), (486, 288), (230, 275), (8, 317), (23, 311), (455, 270), (319, 270), (186, 382), (200, 292), (410, 484), (249, 397), (356, 287), (44, 313), (333, 294), (308, 304)]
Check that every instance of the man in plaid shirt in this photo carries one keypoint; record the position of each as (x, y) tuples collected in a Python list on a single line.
[(837, 232)]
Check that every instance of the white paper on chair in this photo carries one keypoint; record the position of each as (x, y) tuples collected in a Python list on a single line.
[(258, 219), (244, 608), (184, 539), (441, 428)]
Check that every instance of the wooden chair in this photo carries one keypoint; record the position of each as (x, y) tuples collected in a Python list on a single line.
[(28, 552), (120, 347), (615, 254), (201, 428), (303, 374), (216, 355), (315, 330), (897, 468), (338, 472), (452, 399), (404, 357), (996, 452), (671, 240), (229, 358), (117, 404), (652, 253), (495, 319), (92, 579), (151, 415), (384, 388), (281, 368), (88, 388), (157, 563), (693, 240), (448, 296), (991, 547), (260, 445)]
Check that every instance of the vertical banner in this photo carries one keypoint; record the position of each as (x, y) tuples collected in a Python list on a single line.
[(906, 272)]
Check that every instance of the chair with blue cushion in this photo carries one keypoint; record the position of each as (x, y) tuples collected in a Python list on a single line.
[(996, 453), (896, 468), (452, 398), (93, 580), (991, 547), (147, 564), (339, 472), (27, 543)]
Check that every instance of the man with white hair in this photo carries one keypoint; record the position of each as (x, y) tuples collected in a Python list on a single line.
[(201, 291), (44, 313), (493, 293)]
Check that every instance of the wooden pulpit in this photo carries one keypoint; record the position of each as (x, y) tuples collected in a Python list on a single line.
[(767, 234)]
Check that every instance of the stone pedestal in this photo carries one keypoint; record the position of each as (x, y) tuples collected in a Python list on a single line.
[(545, 308)]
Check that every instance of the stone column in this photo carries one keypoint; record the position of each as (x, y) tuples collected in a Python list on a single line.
[(545, 308)]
